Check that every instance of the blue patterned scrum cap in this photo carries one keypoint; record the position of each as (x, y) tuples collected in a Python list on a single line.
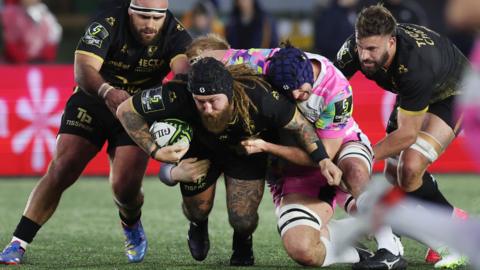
[(288, 69), (209, 76)]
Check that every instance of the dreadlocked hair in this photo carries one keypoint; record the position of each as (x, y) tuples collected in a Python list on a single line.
[(245, 77)]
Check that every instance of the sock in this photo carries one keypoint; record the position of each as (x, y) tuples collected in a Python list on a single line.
[(387, 240), (200, 223), (129, 222), (429, 192), (240, 237), (348, 255), (350, 206), (25, 231)]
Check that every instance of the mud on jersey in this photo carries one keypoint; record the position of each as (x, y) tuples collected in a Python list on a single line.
[(128, 64), (427, 67)]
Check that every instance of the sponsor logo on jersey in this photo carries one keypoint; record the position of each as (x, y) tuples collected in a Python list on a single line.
[(152, 100), (110, 20), (151, 50), (95, 35)]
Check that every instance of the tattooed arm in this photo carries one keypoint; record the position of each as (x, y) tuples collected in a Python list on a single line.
[(137, 129), (308, 139)]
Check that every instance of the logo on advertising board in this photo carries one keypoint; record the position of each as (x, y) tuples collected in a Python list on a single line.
[(38, 109)]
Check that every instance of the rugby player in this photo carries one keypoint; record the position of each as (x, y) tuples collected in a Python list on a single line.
[(324, 96), (424, 70), (124, 50), (225, 107)]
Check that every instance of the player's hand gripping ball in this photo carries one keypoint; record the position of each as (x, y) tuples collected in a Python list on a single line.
[(171, 131)]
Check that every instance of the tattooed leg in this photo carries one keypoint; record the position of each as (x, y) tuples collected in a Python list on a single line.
[(243, 199), (197, 208)]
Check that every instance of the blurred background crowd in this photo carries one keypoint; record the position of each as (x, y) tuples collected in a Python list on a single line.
[(47, 31)]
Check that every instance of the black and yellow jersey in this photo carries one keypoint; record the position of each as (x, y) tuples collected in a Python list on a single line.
[(173, 100), (128, 64), (426, 68)]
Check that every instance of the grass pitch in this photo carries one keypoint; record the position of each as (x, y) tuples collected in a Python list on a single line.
[(85, 232)]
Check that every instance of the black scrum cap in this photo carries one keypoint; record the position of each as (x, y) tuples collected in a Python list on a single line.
[(209, 76)]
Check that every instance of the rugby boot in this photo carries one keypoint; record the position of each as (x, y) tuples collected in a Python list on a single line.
[(363, 252), (135, 242), (242, 251), (198, 241), (451, 260), (432, 256), (12, 254), (382, 260)]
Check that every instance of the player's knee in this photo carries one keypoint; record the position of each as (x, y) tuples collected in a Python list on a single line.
[(62, 173), (299, 228), (244, 223), (301, 250), (410, 175), (197, 212), (126, 190), (355, 175)]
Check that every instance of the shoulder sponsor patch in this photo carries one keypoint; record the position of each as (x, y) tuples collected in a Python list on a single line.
[(95, 35), (344, 56), (152, 100), (343, 110)]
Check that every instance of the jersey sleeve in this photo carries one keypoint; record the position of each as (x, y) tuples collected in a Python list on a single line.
[(97, 39), (163, 102), (255, 58), (347, 58), (335, 119), (416, 88), (277, 109)]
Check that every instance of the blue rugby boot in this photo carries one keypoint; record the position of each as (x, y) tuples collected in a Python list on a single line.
[(12, 254), (135, 242)]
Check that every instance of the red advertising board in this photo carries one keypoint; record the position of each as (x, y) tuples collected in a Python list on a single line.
[(32, 99)]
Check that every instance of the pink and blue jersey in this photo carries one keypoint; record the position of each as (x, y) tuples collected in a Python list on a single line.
[(329, 107)]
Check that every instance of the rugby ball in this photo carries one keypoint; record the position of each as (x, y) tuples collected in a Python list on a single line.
[(171, 131)]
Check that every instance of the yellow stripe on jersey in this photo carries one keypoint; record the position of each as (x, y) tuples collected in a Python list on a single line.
[(413, 112), (90, 54)]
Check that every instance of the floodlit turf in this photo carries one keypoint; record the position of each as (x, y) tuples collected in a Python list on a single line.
[(85, 232)]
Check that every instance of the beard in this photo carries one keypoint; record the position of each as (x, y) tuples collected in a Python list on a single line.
[(216, 124), (141, 35), (370, 71)]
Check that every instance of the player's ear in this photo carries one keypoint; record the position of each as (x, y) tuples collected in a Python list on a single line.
[(392, 41)]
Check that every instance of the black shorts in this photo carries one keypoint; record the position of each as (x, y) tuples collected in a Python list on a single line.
[(87, 117), (200, 151), (241, 167), (443, 109)]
